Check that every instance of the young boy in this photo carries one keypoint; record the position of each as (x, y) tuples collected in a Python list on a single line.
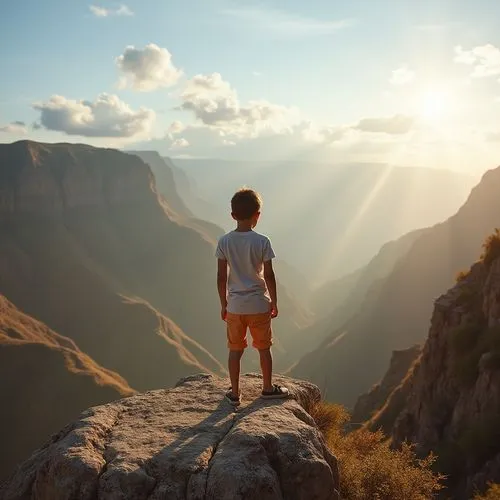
[(248, 295)]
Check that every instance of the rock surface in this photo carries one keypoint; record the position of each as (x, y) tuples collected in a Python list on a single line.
[(369, 403), (451, 397), (186, 443)]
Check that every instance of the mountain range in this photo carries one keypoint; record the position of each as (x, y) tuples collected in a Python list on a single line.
[(395, 311), (107, 275), (326, 219)]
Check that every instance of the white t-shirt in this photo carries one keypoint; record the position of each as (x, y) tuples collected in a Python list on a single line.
[(246, 253)]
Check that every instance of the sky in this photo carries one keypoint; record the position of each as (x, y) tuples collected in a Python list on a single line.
[(392, 81)]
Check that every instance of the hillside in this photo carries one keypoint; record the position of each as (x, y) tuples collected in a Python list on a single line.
[(82, 229), (398, 314), (352, 209), (45, 381), (449, 401)]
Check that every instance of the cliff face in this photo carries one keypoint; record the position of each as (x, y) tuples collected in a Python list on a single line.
[(45, 381), (452, 396), (48, 179), (186, 443), (368, 404), (82, 228), (397, 313)]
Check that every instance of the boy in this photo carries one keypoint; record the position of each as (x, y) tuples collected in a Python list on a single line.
[(248, 295)]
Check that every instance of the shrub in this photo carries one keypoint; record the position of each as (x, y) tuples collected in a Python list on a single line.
[(329, 417), (469, 352), (464, 338), (493, 493), (462, 275), (481, 441), (369, 468), (475, 445), (491, 248)]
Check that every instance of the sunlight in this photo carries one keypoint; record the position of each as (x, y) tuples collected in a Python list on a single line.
[(435, 104)]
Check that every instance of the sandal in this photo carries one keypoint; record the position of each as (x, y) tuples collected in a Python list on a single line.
[(278, 392), (234, 400)]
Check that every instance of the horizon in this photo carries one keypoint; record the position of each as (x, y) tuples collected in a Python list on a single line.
[(413, 85)]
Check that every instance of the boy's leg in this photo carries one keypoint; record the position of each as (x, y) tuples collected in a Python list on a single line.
[(260, 328), (261, 331), (234, 364), (266, 365), (236, 342)]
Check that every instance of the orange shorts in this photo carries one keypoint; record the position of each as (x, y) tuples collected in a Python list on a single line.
[(259, 326)]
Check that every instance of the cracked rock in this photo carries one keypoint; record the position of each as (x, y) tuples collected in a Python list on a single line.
[(186, 443)]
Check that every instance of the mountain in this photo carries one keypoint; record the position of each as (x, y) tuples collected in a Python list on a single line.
[(88, 248), (396, 315), (337, 301), (369, 404), (449, 401), (327, 220), (45, 381)]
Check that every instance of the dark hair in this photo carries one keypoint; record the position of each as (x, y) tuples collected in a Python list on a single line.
[(245, 204)]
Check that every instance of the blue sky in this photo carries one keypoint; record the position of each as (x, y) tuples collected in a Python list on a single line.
[(395, 81)]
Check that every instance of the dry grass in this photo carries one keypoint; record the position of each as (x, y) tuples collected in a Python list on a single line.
[(369, 468), (17, 328), (493, 493), (491, 248)]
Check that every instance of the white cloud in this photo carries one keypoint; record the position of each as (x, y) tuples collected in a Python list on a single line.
[(282, 23), (393, 125), (215, 103), (122, 10), (16, 128), (107, 116), (176, 127), (147, 69), (179, 143), (402, 76), (485, 60)]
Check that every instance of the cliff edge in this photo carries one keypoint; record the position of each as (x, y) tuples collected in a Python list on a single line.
[(186, 443)]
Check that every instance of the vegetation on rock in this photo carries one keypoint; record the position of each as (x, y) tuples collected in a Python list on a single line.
[(369, 467)]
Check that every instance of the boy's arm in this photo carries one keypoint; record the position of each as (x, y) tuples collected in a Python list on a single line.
[(270, 280), (222, 286)]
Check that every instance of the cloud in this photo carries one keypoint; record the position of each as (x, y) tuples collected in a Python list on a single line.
[(16, 127), (179, 143), (394, 125), (147, 69), (485, 60), (122, 10), (107, 116), (402, 76), (282, 23), (216, 104), (302, 141), (176, 127)]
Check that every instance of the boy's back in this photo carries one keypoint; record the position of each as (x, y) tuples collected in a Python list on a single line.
[(245, 253), (248, 295)]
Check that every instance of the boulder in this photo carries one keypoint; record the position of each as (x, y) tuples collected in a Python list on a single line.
[(186, 443)]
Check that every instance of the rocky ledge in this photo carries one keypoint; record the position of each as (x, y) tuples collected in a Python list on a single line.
[(186, 443)]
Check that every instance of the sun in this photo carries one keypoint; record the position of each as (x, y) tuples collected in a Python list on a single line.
[(435, 104)]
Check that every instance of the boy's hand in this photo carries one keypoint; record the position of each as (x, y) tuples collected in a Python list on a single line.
[(223, 313), (274, 310)]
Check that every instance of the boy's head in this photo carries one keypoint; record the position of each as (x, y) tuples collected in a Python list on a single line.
[(245, 205)]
